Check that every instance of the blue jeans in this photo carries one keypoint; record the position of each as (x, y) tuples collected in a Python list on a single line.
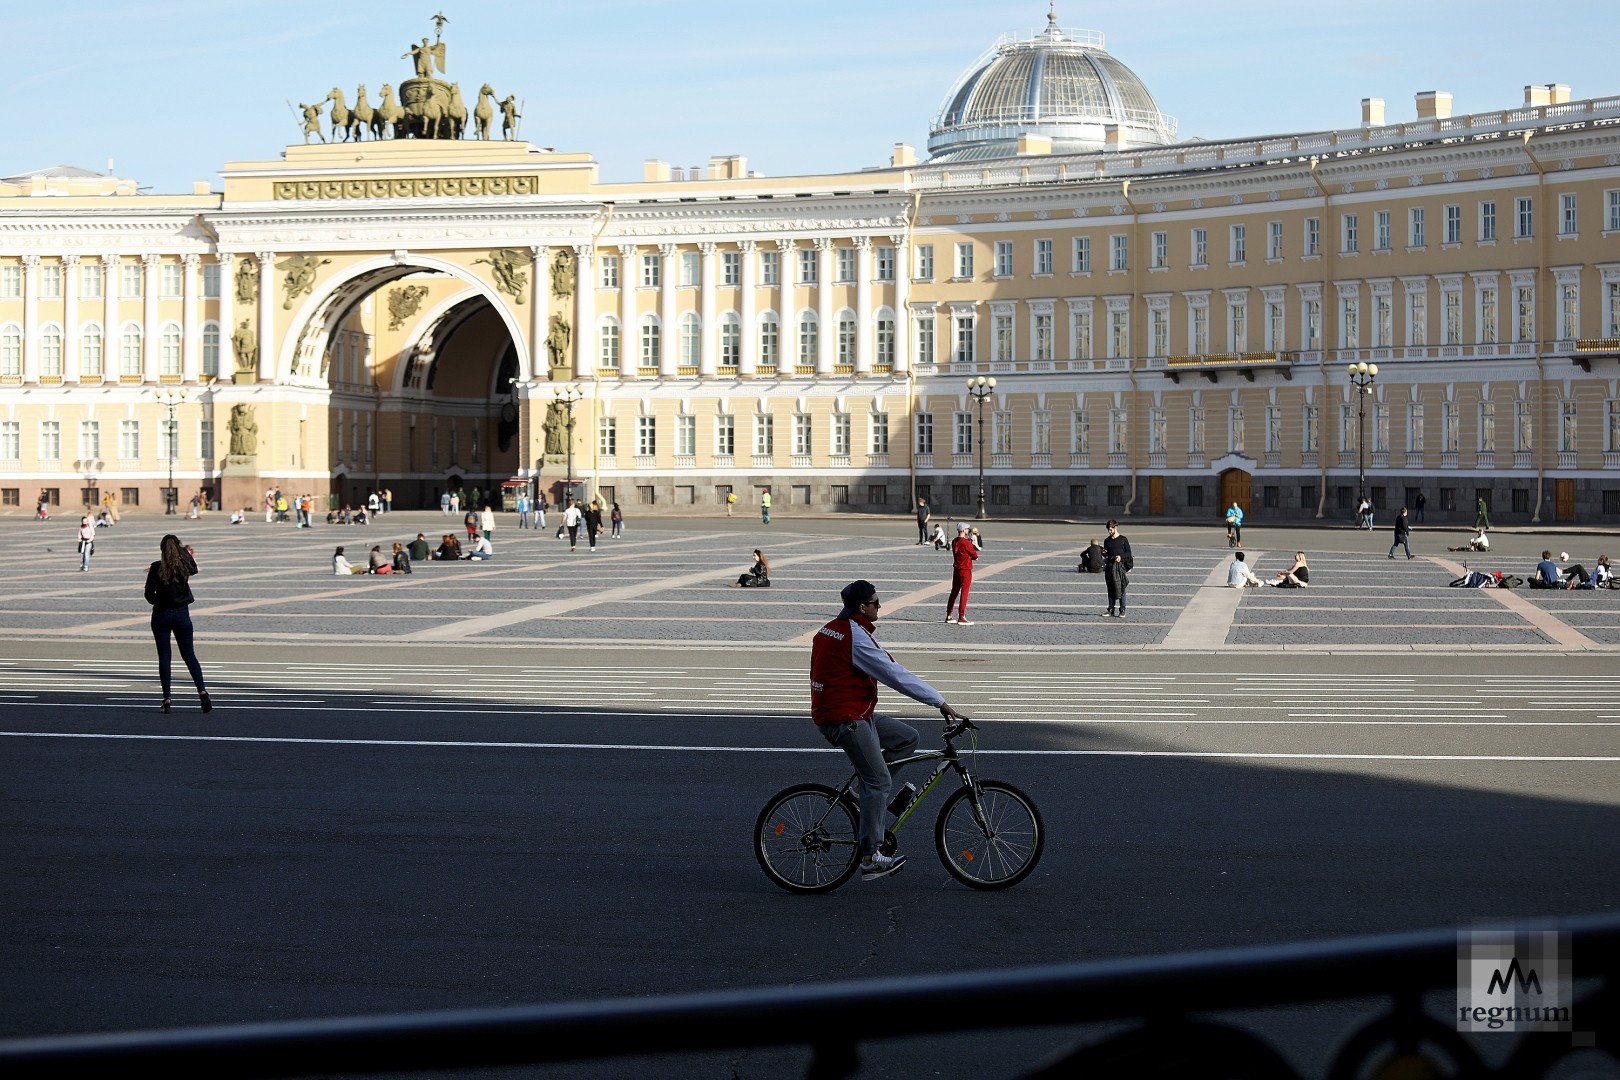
[(523, 519), (871, 745), (1401, 543), (176, 621)]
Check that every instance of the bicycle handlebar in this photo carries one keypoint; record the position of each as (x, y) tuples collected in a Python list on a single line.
[(956, 729)]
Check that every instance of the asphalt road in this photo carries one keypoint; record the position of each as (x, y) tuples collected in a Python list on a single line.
[(365, 826)]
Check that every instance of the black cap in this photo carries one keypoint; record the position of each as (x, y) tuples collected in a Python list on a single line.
[(857, 593)]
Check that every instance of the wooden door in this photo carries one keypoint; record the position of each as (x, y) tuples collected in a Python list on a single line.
[(1155, 494), (1237, 486), (1564, 501)]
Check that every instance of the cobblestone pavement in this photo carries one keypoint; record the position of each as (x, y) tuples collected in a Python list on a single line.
[(670, 584)]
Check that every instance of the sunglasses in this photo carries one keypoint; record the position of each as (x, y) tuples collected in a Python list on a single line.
[(875, 602)]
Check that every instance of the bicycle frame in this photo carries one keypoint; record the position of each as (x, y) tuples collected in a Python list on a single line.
[(948, 760)]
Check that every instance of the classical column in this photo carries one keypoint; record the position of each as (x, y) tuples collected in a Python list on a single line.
[(669, 332), (827, 329), (863, 305), (190, 327), (585, 346), (151, 339), (30, 357), (745, 293), (112, 352), (226, 314), (708, 362), (267, 316), (539, 361), (70, 318), (902, 306), (629, 332), (787, 317)]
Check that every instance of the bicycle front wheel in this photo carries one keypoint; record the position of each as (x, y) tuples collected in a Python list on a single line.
[(993, 842), (807, 839)]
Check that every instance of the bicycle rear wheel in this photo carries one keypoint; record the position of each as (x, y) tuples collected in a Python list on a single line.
[(997, 850), (807, 839)]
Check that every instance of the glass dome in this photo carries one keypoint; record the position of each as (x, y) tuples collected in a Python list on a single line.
[(1061, 85)]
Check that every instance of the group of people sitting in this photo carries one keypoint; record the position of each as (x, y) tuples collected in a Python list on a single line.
[(1297, 576), (377, 563), (418, 550), (347, 516), (937, 538), (1549, 575)]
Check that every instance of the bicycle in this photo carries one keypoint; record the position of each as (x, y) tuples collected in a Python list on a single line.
[(989, 834)]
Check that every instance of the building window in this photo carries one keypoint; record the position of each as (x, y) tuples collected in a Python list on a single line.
[(962, 443), (1274, 429), (1161, 251), (10, 442), (1381, 240), (1524, 218), (650, 342), (1198, 330), (1487, 427), (1313, 324), (925, 262), (210, 349), (1118, 431), (1237, 327), (90, 282), (1079, 433), (129, 439), (129, 352), (1200, 247), (1613, 443), (50, 351), (1566, 427), (1349, 322), (770, 340), (1080, 333), (925, 339), (1382, 329), (1081, 255), (1275, 328), (1001, 333), (1041, 329), (1274, 240), (1414, 428), (725, 435), (1119, 334), (808, 270), (1004, 258), (964, 260), (730, 340), (691, 339), (1238, 244), (1040, 432), (610, 272), (1453, 317), (880, 433), (607, 436), (730, 268), (1001, 425), (685, 434), (770, 268), (50, 440), (169, 438), (925, 433), (1450, 428), (608, 335), (1569, 311), (1043, 257), (1350, 239), (1119, 252), (1414, 227), (809, 338), (965, 333), (171, 281), (646, 436), (1196, 425), (840, 434), (1487, 315), (691, 268), (169, 351), (90, 440), (845, 258), (50, 281), (1524, 323), (652, 273), (1158, 430), (883, 263), (1313, 429), (885, 341), (10, 282), (210, 281), (1453, 224), (1158, 332), (1566, 215), (1313, 236), (1487, 221), (846, 339), (129, 280)]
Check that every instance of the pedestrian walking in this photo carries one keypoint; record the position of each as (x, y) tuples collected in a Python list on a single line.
[(444, 503), (570, 523), (540, 512), (269, 506), (486, 522), (192, 511), (471, 523), (593, 522), (87, 540), (731, 500), (765, 506), (923, 514), (1418, 505), (523, 511), (1403, 533), (1482, 514), (168, 590), (963, 553), (618, 522), (455, 501), (1117, 550), (109, 508), (388, 500)]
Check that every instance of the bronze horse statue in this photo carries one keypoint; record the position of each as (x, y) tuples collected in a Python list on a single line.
[(390, 117), (342, 119), (365, 117), (484, 114)]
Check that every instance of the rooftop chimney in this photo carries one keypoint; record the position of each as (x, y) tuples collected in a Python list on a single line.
[(654, 172), (1372, 112), (904, 156), (1537, 95), (1559, 92), (1433, 104)]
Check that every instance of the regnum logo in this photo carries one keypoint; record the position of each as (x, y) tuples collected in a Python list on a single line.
[(1513, 980)]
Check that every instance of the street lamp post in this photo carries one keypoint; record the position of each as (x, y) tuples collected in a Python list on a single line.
[(1361, 378), (981, 388), (170, 397), (568, 397)]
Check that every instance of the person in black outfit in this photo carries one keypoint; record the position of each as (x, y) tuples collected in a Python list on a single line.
[(1093, 560), (1403, 534), (593, 522), (1117, 550), (923, 514), (168, 590)]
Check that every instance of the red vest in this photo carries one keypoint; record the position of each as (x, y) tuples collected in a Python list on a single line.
[(839, 692)]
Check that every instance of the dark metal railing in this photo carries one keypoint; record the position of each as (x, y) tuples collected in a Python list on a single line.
[(1169, 997)]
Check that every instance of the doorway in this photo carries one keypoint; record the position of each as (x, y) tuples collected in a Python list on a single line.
[(1237, 486)]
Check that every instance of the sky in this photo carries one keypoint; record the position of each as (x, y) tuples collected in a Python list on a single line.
[(170, 90)]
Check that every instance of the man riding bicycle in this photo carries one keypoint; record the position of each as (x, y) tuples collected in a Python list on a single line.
[(846, 665)]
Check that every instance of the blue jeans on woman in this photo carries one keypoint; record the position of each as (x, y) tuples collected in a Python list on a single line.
[(176, 621), (871, 745)]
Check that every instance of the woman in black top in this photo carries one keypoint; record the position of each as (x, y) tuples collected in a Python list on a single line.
[(168, 590), (593, 521)]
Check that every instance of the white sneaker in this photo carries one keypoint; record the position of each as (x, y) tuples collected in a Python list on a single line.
[(949, 620), (880, 865), (964, 622)]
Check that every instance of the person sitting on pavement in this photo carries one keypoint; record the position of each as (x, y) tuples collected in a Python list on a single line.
[(341, 566), (1478, 542), (1603, 574), (1238, 574), (1546, 575), (418, 548), (449, 548), (482, 549), (1297, 576), (759, 575), (378, 563), (1093, 560), (401, 559), (1575, 576), (937, 538)]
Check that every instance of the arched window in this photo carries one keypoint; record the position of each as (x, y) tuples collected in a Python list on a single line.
[(650, 341), (90, 351), (129, 351), (770, 340), (608, 334), (730, 339), (210, 348), (11, 352), (50, 352), (808, 327), (691, 339), (169, 351), (885, 337)]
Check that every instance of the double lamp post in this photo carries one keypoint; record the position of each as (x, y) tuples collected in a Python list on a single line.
[(981, 388), (1361, 382)]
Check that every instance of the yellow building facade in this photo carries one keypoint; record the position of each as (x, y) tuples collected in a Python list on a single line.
[(1168, 324)]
